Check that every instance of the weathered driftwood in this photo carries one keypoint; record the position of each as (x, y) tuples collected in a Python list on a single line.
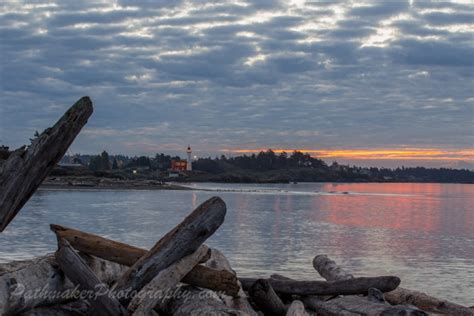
[(181, 241), (296, 309), (202, 276), (426, 302), (25, 169), (372, 305), (328, 269), (266, 299), (151, 294), (74, 308), (237, 302), (98, 246), (214, 279), (27, 284), (191, 301), (344, 287), (76, 270), (286, 298), (277, 276), (217, 260)]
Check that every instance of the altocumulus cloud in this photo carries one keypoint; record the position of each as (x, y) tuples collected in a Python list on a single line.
[(241, 74)]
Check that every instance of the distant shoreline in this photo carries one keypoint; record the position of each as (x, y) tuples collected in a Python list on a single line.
[(146, 185), (112, 186)]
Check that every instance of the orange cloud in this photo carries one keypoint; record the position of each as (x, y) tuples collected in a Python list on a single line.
[(376, 154)]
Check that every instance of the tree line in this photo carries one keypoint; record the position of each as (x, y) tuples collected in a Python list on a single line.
[(104, 162), (296, 166), (263, 161)]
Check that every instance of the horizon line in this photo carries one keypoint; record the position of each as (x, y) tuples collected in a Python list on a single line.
[(434, 154)]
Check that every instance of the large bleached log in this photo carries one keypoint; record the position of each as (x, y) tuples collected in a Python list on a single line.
[(76, 270), (181, 241), (238, 302), (202, 276), (426, 302), (329, 270), (149, 296), (26, 284), (296, 309), (25, 169), (372, 305), (266, 299), (344, 287)]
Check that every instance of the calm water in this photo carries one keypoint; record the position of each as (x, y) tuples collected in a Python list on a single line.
[(423, 233)]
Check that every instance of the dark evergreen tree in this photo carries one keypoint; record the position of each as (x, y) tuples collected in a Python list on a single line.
[(115, 165), (105, 162), (95, 163)]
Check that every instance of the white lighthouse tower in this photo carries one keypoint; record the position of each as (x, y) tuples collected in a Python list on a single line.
[(189, 163)]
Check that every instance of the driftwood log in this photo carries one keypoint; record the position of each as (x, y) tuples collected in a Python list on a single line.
[(25, 169), (74, 308), (266, 299), (427, 303), (329, 270), (286, 298), (202, 276), (151, 294), (190, 301), (277, 276), (214, 279), (371, 305), (297, 309), (238, 302), (76, 270), (27, 284), (181, 241), (98, 246), (344, 287)]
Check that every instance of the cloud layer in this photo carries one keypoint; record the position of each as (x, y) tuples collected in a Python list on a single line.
[(220, 75)]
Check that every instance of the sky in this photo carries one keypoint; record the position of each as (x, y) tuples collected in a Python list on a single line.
[(375, 83)]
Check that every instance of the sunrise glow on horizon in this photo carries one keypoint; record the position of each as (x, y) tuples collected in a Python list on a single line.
[(375, 154)]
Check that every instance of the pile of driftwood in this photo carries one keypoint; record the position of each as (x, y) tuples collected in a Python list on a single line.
[(179, 275)]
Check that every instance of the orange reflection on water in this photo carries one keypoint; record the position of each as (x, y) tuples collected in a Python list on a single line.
[(389, 188), (369, 207), (277, 209)]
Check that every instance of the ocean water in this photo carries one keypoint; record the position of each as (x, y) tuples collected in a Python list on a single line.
[(423, 233)]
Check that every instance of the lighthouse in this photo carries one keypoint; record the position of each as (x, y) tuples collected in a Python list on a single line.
[(189, 166)]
